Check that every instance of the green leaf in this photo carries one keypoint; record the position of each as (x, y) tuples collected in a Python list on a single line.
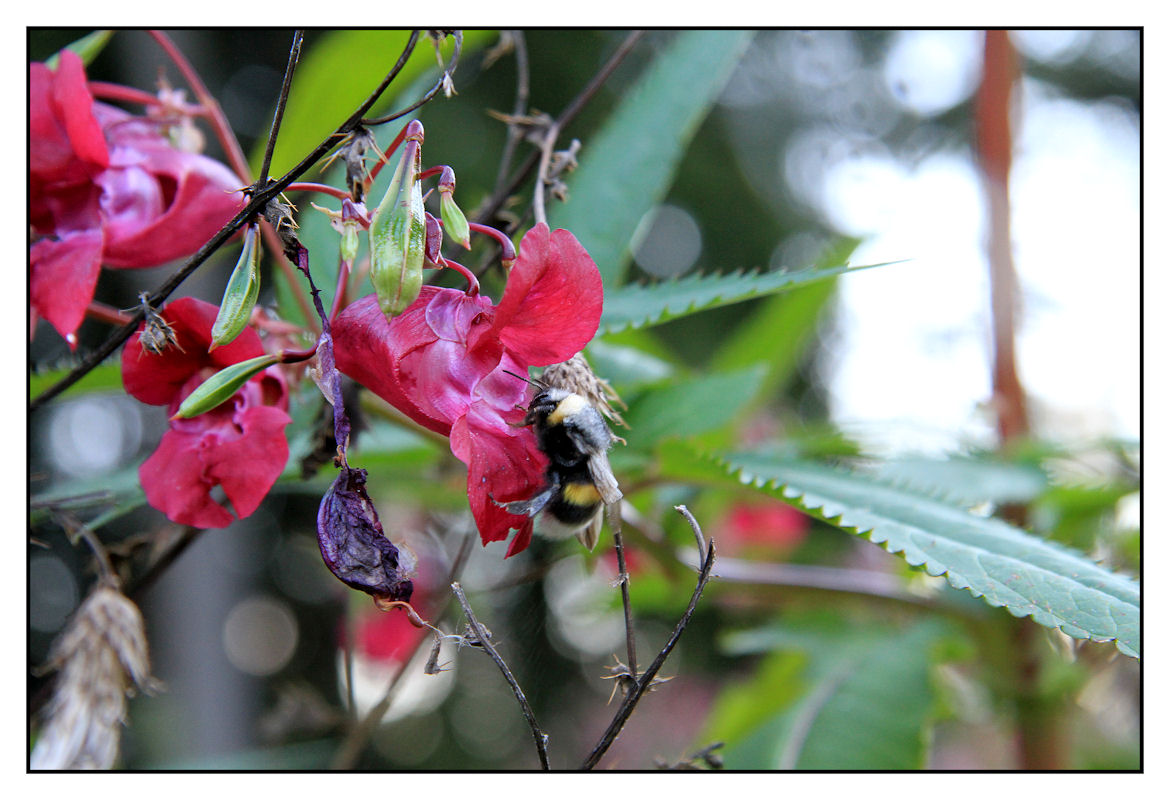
[(627, 167), (337, 72), (650, 304), (854, 699), (781, 329), (968, 480), (1056, 586), (107, 377), (690, 407), (87, 47)]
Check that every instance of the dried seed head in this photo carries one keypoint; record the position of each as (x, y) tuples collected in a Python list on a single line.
[(157, 334), (575, 375), (101, 655)]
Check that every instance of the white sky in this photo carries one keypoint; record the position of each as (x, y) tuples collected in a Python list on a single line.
[(911, 369)]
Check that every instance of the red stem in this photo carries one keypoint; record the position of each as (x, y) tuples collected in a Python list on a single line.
[(125, 94), (223, 131), (105, 313), (323, 188), (472, 281)]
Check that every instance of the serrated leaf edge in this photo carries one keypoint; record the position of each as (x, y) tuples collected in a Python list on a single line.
[(1039, 616)]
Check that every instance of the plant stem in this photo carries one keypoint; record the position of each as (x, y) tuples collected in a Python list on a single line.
[(1038, 734), (539, 736), (647, 678)]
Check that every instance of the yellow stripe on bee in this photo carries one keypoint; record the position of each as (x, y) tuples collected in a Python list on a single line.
[(567, 408), (581, 494)]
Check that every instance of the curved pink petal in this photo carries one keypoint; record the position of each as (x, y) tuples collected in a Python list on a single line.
[(62, 276), (405, 361), (65, 140), (552, 304), (503, 464), (174, 481), (158, 379), (159, 203), (249, 465)]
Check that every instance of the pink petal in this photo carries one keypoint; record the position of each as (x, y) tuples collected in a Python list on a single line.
[(157, 379), (552, 303), (65, 140), (249, 465), (174, 482), (503, 464), (160, 203), (62, 277)]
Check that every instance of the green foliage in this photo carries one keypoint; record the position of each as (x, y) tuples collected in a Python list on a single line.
[(1004, 565), (628, 166), (637, 306), (87, 47), (830, 697), (107, 377), (779, 331), (688, 407), (337, 72), (968, 480)]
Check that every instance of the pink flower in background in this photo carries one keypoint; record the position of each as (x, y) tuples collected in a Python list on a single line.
[(106, 187), (442, 363), (767, 529), (239, 445)]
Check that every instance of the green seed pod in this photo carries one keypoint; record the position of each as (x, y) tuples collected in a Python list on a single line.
[(398, 234), (222, 385), (454, 222), (239, 298)]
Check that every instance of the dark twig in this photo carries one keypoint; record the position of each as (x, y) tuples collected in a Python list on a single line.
[(538, 735), (357, 736), (647, 678), (426, 98), (489, 209), (519, 108), (294, 55), (615, 524), (259, 201)]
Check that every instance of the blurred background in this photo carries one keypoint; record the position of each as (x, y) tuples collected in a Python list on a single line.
[(820, 137)]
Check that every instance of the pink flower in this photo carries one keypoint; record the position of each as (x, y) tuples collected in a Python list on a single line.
[(107, 188), (767, 530), (443, 363), (240, 445)]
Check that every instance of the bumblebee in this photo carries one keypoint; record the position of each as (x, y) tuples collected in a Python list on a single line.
[(579, 481)]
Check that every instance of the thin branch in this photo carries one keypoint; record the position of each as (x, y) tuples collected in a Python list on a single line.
[(294, 56), (542, 177), (489, 209), (259, 201), (357, 736), (540, 737), (519, 107), (647, 678), (426, 98), (615, 524)]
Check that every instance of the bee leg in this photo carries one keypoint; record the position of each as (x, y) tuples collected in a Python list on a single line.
[(532, 506)]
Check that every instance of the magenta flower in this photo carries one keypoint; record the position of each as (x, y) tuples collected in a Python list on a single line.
[(443, 362), (239, 445), (107, 188)]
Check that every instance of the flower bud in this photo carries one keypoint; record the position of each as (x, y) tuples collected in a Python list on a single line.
[(398, 235), (454, 221), (239, 298), (222, 385), (354, 546)]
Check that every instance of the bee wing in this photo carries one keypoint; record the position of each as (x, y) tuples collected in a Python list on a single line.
[(589, 534), (532, 506), (603, 479)]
